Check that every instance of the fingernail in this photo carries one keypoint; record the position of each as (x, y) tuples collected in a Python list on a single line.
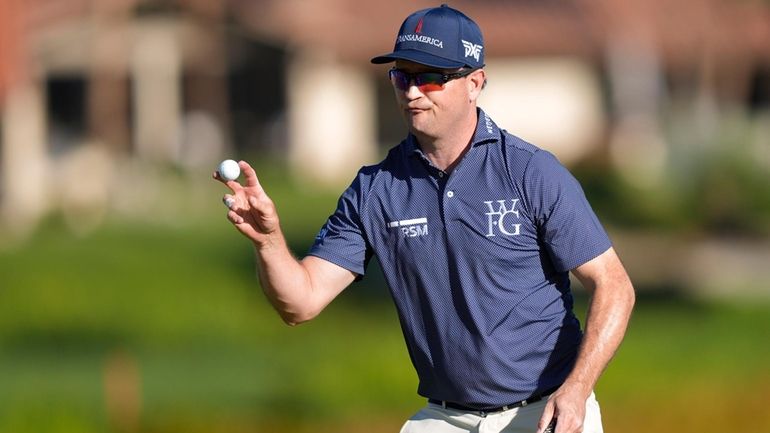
[(229, 202)]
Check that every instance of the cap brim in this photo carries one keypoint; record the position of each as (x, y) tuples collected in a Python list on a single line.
[(420, 57)]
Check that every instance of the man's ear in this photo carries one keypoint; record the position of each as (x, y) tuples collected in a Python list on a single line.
[(476, 82)]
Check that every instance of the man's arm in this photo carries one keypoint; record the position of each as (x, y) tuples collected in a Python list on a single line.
[(298, 290), (609, 310)]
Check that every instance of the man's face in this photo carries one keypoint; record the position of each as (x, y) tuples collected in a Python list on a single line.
[(431, 111)]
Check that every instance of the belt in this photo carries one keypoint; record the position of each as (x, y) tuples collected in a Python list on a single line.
[(486, 410)]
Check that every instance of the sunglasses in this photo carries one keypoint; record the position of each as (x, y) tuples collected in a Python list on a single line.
[(425, 81)]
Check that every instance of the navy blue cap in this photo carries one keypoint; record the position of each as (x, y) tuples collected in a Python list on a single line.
[(439, 37)]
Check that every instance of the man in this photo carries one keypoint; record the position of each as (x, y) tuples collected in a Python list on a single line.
[(476, 231)]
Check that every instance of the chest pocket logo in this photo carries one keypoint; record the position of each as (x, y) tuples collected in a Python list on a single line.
[(497, 218), (411, 228)]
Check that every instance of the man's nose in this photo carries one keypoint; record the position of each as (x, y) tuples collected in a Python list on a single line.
[(413, 92)]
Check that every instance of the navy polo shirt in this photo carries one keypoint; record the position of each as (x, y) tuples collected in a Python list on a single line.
[(477, 262)]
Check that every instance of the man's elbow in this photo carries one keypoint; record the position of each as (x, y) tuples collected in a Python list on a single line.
[(294, 318), (627, 296), (629, 292)]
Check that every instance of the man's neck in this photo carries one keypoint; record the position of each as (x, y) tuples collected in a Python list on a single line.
[(446, 151)]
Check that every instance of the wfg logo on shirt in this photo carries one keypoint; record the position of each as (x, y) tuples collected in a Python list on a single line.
[(497, 221)]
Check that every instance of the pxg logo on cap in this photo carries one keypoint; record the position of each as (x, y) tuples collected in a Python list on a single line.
[(439, 37)]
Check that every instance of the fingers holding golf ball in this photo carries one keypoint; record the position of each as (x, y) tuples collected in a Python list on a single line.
[(229, 169), (228, 172), (250, 209)]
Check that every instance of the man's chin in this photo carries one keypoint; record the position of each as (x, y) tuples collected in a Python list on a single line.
[(418, 124)]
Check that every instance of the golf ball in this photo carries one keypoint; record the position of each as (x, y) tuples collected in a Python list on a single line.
[(229, 169)]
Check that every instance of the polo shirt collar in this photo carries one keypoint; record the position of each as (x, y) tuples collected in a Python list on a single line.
[(486, 129), (486, 132)]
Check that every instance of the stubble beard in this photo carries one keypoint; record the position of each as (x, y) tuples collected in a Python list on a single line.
[(422, 125)]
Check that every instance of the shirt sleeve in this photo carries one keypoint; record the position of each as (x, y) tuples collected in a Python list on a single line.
[(341, 239), (567, 225)]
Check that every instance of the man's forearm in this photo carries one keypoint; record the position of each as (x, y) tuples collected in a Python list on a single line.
[(283, 279), (298, 289), (606, 322)]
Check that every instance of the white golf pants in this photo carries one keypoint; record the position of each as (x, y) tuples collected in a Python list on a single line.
[(435, 419)]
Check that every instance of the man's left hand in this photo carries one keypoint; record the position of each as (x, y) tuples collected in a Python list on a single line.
[(568, 405)]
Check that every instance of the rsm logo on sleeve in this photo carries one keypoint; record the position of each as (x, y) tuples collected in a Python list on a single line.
[(497, 217), (411, 228)]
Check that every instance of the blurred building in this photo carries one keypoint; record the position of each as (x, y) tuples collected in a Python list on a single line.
[(85, 84)]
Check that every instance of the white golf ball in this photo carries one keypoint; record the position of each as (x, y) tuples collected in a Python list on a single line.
[(229, 169)]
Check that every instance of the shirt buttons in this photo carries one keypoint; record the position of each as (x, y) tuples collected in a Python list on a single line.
[(450, 194), (440, 174)]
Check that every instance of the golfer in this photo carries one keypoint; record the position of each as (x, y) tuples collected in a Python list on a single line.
[(476, 231)]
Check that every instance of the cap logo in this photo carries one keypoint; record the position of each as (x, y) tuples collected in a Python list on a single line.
[(418, 29), (472, 50), (420, 38)]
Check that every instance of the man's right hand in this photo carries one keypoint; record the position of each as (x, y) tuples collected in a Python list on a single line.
[(298, 290), (251, 211)]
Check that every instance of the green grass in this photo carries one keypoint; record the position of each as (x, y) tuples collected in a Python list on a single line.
[(177, 298), (693, 367)]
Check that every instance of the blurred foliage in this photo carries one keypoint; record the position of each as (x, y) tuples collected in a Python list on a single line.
[(719, 191)]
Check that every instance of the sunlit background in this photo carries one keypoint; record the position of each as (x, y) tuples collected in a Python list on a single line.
[(129, 304)]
